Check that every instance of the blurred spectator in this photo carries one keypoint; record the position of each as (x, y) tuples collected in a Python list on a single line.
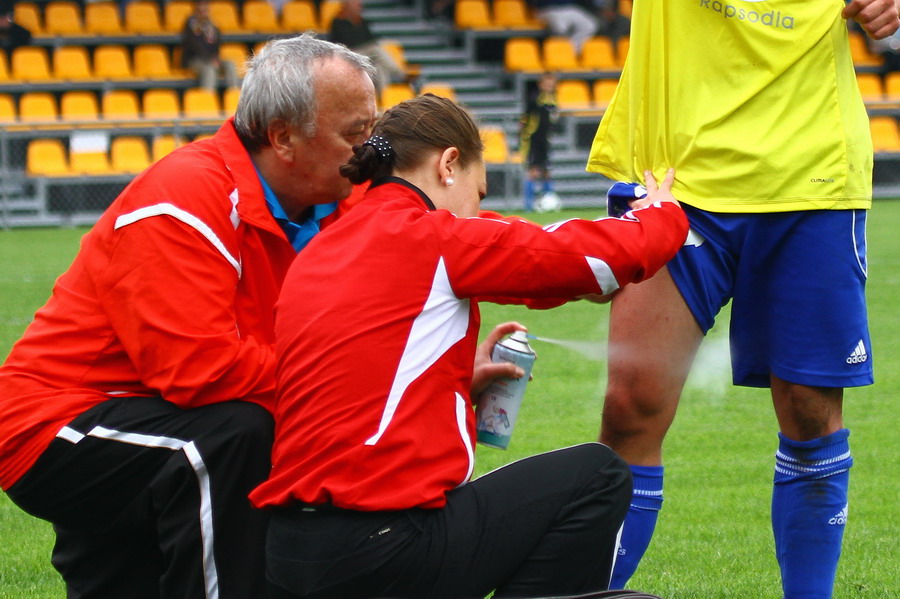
[(568, 18), (541, 116), (200, 41), (351, 29), (12, 35), (889, 49), (613, 23)]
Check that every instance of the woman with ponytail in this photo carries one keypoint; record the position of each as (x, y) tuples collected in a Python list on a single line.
[(376, 337)]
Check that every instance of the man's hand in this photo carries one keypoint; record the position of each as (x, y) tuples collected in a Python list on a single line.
[(878, 17), (656, 193), (485, 371)]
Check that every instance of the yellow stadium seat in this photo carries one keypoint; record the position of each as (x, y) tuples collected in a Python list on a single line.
[(224, 13), (522, 54), (394, 93), (72, 63), (151, 61), (559, 54), (175, 14), (102, 18), (237, 53), (200, 103), (28, 15), (129, 154), (89, 163), (496, 148), (4, 68), (328, 10), (598, 54), (112, 62), (603, 91), (79, 106), (885, 134), (622, 45), (444, 90), (7, 109), (860, 52), (46, 158), (258, 16), (514, 14), (473, 14), (38, 107), (870, 87), (163, 145), (62, 17), (573, 94), (892, 87), (230, 99), (143, 17), (161, 103), (30, 64), (625, 7), (120, 105), (298, 16)]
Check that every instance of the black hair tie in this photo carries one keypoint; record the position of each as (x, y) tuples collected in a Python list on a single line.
[(382, 146)]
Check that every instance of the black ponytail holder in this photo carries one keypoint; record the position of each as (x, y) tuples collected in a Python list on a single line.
[(382, 146)]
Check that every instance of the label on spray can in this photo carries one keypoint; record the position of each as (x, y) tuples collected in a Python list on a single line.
[(498, 405)]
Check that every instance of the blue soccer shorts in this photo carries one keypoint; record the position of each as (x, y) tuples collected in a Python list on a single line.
[(797, 285)]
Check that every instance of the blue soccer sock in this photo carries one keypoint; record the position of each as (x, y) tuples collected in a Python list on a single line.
[(809, 511), (529, 195), (548, 185), (639, 522)]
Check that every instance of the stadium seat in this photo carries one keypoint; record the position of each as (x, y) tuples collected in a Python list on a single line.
[(7, 109), (885, 134), (46, 158), (604, 89), (298, 16), (28, 15), (870, 87), (559, 54), (892, 87), (151, 61), (394, 93), (30, 64), (102, 18), (129, 154), (860, 52), (444, 90), (573, 94), (161, 103), (622, 45), (258, 16), (79, 106), (473, 14), (625, 7), (230, 99), (4, 69), (142, 17), (162, 145), (89, 163), (514, 14), (72, 63), (224, 13), (175, 14), (63, 18), (598, 54), (328, 10), (237, 53), (496, 148), (522, 54), (38, 107), (120, 105), (113, 63), (200, 103)]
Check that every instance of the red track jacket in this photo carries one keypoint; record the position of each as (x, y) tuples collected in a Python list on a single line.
[(375, 364), (171, 294)]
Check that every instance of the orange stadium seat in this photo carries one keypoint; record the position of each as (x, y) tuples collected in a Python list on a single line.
[(7, 109), (496, 148), (120, 105), (161, 103), (573, 94), (438, 88), (129, 154), (514, 14), (559, 54), (62, 17), (38, 107), (30, 64), (870, 87), (72, 63), (151, 61), (89, 163), (79, 106), (598, 54), (112, 62), (224, 13), (102, 18), (230, 99), (328, 10), (395, 93), (298, 16), (885, 134), (28, 15), (200, 103), (237, 53), (162, 145), (522, 54), (473, 14), (175, 14), (258, 16), (46, 158), (143, 17), (603, 91)]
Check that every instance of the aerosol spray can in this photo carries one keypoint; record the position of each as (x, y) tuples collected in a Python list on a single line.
[(498, 405)]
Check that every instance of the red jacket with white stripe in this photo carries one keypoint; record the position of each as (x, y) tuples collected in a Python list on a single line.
[(377, 326), (171, 294)]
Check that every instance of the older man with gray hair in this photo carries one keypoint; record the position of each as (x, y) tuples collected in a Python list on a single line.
[(135, 410)]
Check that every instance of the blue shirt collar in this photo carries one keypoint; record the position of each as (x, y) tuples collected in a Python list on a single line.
[(299, 234)]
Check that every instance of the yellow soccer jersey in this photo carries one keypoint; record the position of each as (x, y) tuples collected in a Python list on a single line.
[(754, 102)]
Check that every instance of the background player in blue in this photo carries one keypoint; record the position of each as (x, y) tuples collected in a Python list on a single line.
[(541, 115)]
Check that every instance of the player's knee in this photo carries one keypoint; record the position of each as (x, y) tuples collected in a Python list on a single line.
[(248, 424)]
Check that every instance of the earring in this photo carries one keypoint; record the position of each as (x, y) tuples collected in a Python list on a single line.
[(449, 181)]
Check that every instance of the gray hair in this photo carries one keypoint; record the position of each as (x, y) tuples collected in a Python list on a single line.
[(279, 86)]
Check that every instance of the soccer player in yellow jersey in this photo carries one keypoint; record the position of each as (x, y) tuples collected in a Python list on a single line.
[(755, 105)]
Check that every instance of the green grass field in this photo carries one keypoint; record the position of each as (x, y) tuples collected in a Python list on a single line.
[(713, 539)]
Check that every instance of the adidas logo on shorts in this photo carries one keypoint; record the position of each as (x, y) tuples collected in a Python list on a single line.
[(840, 518), (858, 355)]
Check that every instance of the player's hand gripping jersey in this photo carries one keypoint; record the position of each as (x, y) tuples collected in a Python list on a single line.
[(754, 102)]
